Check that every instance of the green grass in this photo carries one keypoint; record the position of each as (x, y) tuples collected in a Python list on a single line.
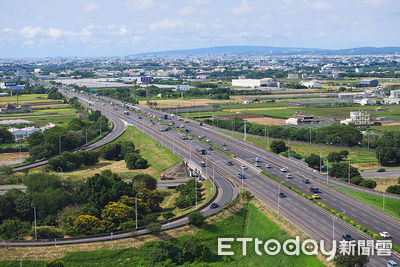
[(392, 206), (23, 98), (159, 157), (51, 111), (247, 222)]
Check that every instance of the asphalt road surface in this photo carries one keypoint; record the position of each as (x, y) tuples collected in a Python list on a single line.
[(387, 174)]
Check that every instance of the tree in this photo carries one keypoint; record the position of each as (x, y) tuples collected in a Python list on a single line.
[(278, 146), (368, 183), (344, 153), (46, 232), (314, 161), (141, 181), (168, 215), (340, 170), (67, 216), (14, 229), (39, 182), (153, 227), (196, 218), (394, 189), (114, 214), (351, 260), (87, 225), (334, 157), (5, 136), (126, 147), (103, 188)]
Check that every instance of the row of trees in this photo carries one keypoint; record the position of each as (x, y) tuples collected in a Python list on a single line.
[(69, 161), (335, 134), (103, 203), (66, 138), (187, 194), (339, 169), (5, 136), (124, 150)]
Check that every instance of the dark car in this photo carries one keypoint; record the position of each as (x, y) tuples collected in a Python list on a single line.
[(282, 195), (229, 163), (306, 181), (314, 189), (381, 170), (214, 205), (347, 237), (241, 176)]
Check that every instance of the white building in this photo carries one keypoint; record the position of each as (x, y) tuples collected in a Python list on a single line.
[(360, 117), (363, 102), (254, 83), (292, 121), (292, 76), (312, 84), (352, 95), (394, 94), (20, 134)]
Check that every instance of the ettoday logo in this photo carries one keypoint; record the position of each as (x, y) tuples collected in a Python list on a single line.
[(291, 247)]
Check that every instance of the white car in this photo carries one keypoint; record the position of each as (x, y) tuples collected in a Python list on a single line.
[(385, 235), (283, 170), (289, 176), (267, 166)]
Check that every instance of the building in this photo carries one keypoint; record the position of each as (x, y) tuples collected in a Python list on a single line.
[(21, 134), (10, 108), (352, 95), (299, 117), (312, 84), (293, 76), (369, 83), (363, 102), (360, 117), (254, 83), (202, 76), (394, 94), (391, 101)]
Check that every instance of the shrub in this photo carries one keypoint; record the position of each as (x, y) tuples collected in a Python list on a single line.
[(55, 263), (47, 232), (395, 189), (14, 229), (154, 227), (196, 218)]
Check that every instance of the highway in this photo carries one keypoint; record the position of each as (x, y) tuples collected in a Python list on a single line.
[(307, 216), (395, 172)]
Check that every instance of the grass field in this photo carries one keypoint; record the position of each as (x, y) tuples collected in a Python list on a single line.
[(158, 157), (23, 98), (392, 206), (40, 112), (247, 222)]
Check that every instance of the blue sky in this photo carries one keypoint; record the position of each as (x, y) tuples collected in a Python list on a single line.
[(43, 28)]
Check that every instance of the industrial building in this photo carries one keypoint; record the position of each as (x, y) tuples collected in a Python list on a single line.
[(300, 117), (369, 83), (254, 83), (312, 84)]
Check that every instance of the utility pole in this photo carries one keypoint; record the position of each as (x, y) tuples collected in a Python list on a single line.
[(34, 216), (244, 131), (310, 135), (267, 140), (279, 192), (349, 173)]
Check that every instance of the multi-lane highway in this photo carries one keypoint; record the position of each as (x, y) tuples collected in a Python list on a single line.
[(312, 219)]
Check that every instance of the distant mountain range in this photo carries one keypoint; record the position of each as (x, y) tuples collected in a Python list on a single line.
[(271, 50)]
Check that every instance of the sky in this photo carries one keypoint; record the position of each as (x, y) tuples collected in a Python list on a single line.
[(50, 28)]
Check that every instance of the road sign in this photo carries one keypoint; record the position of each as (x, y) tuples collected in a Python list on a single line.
[(182, 87), (146, 79), (9, 84), (17, 88)]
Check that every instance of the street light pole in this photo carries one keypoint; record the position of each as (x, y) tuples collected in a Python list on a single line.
[(383, 203), (195, 190), (244, 131), (20, 262), (136, 210), (349, 173), (34, 216), (279, 192), (242, 178)]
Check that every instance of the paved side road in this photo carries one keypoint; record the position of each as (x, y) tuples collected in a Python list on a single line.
[(387, 174)]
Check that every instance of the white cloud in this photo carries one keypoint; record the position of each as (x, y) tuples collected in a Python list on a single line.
[(140, 4), (7, 29), (122, 30), (91, 7), (321, 5), (54, 33), (166, 24), (243, 7), (187, 10), (30, 32)]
